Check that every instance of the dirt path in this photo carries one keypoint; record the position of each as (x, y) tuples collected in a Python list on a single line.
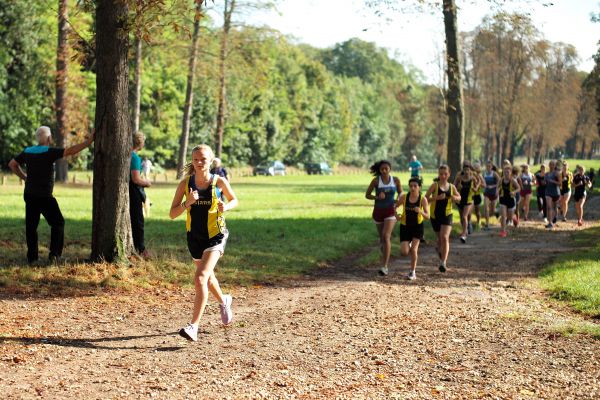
[(482, 330)]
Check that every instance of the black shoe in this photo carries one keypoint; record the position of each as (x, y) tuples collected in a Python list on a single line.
[(554, 220), (442, 268)]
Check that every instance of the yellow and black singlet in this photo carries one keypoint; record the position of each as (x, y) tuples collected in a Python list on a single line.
[(410, 217), (441, 207), (506, 189), (566, 182), (204, 220)]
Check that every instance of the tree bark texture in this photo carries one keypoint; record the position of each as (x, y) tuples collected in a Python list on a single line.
[(111, 226), (189, 93), (62, 55), (454, 109), (137, 82), (228, 9)]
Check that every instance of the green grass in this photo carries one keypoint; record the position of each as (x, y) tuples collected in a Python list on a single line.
[(284, 227), (575, 277)]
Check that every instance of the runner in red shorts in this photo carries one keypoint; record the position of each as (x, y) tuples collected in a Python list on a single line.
[(386, 188)]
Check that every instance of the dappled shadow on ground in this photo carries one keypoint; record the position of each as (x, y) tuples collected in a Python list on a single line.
[(102, 343)]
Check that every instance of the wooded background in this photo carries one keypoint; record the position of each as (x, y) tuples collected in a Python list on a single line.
[(269, 97)]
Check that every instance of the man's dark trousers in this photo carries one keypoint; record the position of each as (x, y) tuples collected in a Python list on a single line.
[(136, 213), (48, 207)]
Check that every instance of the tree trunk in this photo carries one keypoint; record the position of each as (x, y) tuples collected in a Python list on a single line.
[(61, 88), (111, 226), (228, 8), (189, 93), (456, 133), (135, 118)]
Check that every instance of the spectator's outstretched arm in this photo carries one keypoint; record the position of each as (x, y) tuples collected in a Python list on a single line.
[(70, 151), (16, 168)]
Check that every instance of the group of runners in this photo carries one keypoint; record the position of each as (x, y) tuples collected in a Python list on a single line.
[(511, 187)]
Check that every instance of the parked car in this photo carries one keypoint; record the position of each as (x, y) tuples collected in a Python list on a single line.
[(271, 168), (318, 168)]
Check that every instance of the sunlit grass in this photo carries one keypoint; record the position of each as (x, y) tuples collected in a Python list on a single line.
[(284, 227)]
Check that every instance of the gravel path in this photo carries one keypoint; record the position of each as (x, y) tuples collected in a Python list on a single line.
[(482, 330)]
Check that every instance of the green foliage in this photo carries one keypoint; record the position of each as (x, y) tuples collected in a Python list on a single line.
[(26, 86)]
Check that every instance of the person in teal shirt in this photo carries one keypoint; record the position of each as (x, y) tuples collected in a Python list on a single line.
[(137, 196), (415, 167)]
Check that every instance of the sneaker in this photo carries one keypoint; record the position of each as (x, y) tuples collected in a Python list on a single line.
[(383, 271), (564, 218), (412, 275), (226, 313), (545, 220), (190, 332), (442, 267), (549, 226), (469, 228), (503, 234), (463, 239), (554, 220)]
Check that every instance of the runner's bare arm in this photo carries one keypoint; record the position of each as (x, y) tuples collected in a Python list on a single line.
[(232, 201), (456, 197), (429, 192), (177, 206), (398, 185), (369, 194), (425, 210)]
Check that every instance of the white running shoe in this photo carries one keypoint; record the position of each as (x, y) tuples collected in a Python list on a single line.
[(226, 313), (412, 275), (546, 220), (383, 271), (190, 332)]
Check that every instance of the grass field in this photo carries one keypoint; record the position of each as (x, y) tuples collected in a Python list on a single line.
[(284, 227), (575, 277)]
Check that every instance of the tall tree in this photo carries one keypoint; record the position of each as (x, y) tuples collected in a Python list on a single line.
[(454, 105), (111, 227), (60, 104), (228, 10), (189, 92)]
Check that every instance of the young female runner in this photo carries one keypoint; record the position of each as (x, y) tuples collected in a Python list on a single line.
[(508, 189), (566, 178), (540, 182), (206, 232), (581, 182), (477, 200), (384, 213), (527, 182), (440, 196), (516, 174), (414, 210), (466, 183), (552, 178), (490, 193)]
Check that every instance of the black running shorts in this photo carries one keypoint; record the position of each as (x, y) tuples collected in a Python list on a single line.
[(410, 232), (198, 246), (508, 202), (439, 220)]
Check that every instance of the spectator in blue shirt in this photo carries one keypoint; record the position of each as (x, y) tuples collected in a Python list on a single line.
[(137, 196), (415, 167)]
